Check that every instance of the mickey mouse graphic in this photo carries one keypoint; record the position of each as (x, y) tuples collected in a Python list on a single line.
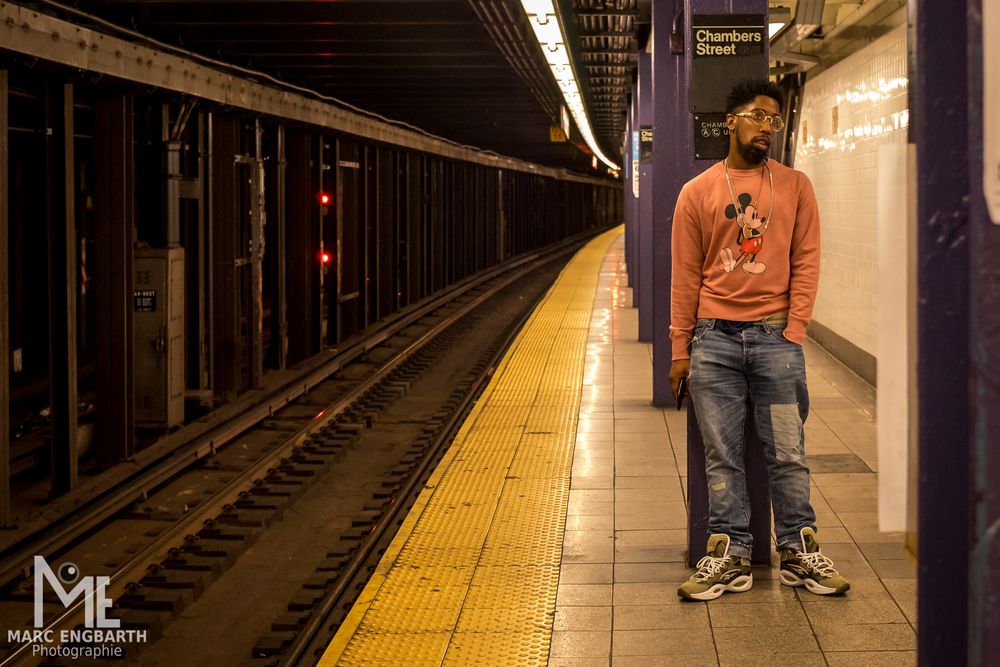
[(749, 238)]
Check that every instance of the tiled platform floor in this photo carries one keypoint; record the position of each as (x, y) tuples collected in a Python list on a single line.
[(623, 554)]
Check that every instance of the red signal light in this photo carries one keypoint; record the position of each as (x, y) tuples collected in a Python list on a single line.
[(324, 198), (325, 258)]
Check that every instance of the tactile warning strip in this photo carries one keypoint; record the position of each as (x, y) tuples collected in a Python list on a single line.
[(472, 575)]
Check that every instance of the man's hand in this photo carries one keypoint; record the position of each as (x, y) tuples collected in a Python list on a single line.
[(678, 369)]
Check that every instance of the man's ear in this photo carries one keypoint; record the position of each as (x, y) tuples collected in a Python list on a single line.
[(730, 121)]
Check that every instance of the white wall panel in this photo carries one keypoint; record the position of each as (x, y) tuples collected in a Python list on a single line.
[(848, 111)]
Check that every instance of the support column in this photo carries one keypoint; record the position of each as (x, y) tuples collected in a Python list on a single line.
[(674, 165), (302, 265), (257, 221), (5, 510), (628, 198), (62, 288), (280, 280), (633, 179), (113, 277), (645, 244), (940, 128), (228, 346)]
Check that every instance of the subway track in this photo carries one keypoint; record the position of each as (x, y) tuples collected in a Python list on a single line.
[(255, 551)]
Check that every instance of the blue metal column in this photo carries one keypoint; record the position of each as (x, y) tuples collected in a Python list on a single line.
[(644, 250), (633, 184), (674, 165), (985, 357), (628, 199), (939, 125)]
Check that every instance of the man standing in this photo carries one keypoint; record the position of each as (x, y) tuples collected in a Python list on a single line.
[(745, 272)]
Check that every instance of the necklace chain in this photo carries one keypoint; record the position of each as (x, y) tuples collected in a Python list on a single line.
[(770, 183)]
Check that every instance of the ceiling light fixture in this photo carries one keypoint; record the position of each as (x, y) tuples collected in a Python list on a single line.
[(545, 22)]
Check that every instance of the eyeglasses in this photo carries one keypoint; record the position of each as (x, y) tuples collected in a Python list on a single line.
[(758, 116)]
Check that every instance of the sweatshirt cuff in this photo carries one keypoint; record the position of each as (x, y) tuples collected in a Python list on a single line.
[(680, 347), (796, 331)]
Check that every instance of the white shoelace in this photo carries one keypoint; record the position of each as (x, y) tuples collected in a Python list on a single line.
[(709, 566), (818, 562)]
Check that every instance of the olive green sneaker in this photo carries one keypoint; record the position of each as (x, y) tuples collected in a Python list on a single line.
[(717, 573), (810, 568)]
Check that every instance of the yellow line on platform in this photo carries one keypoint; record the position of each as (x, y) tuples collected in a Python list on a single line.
[(472, 574)]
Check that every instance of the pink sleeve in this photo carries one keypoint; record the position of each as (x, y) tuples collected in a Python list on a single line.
[(686, 260), (804, 261)]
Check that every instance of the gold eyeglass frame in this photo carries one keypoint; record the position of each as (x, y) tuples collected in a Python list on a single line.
[(777, 123)]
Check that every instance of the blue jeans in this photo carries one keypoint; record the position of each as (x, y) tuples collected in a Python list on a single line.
[(727, 368)]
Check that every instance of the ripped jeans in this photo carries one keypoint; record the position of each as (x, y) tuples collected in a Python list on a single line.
[(728, 366)]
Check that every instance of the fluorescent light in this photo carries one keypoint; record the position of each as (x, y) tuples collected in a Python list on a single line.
[(538, 7), (545, 24), (556, 55), (547, 32), (773, 28)]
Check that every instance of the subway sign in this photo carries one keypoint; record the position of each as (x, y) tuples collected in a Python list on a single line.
[(725, 48)]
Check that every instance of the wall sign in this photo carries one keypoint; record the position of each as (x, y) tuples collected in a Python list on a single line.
[(645, 143), (144, 300), (726, 48), (635, 164), (711, 136)]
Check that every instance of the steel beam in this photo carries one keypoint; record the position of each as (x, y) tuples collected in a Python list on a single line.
[(25, 30), (370, 252), (257, 220), (204, 257), (280, 250), (325, 309), (62, 287), (301, 253), (5, 509), (113, 277), (227, 343)]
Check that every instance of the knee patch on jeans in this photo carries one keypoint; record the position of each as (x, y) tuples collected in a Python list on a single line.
[(786, 428)]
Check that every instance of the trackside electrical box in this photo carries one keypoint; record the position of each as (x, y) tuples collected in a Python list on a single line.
[(158, 329)]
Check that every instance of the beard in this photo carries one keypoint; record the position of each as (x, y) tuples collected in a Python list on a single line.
[(750, 153)]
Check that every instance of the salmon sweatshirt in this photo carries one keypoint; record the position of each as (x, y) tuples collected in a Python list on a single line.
[(745, 254)]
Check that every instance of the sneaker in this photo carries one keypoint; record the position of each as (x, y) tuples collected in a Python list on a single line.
[(810, 568), (717, 573)]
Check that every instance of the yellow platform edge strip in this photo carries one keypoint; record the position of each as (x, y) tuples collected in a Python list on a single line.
[(574, 308)]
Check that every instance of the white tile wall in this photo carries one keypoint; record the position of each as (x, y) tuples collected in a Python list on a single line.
[(847, 112)]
